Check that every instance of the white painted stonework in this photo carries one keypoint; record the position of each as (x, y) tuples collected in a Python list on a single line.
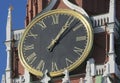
[(8, 46), (92, 69), (45, 78), (66, 78)]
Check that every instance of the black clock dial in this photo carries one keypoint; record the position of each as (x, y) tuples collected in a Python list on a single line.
[(55, 41)]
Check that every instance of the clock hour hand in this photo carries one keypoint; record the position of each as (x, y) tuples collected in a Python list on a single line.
[(55, 41)]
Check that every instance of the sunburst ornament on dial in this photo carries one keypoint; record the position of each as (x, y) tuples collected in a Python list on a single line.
[(57, 40)]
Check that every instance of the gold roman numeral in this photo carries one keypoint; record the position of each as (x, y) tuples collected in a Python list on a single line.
[(30, 47), (69, 21), (81, 38), (42, 24), (32, 35), (54, 66), (68, 61), (78, 27), (41, 65), (55, 18), (78, 50), (31, 58)]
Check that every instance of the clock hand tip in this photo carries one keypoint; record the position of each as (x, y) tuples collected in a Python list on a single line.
[(51, 46)]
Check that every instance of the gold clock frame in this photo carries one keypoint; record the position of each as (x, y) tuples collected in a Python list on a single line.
[(86, 52)]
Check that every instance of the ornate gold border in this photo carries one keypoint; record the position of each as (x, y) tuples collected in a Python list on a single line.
[(86, 52)]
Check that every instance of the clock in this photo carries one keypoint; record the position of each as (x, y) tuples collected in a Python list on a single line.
[(54, 41)]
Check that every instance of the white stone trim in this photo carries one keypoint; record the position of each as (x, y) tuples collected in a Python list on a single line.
[(18, 34), (75, 7), (99, 69)]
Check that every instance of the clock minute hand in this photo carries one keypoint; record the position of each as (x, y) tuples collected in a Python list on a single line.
[(64, 28), (54, 41)]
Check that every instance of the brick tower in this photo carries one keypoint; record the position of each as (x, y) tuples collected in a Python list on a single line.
[(102, 65)]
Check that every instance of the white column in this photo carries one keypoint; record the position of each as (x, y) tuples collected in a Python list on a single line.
[(88, 77), (8, 50), (111, 41), (81, 80), (3, 79), (9, 25), (8, 61), (8, 38), (45, 78), (113, 67), (8, 46), (92, 66), (111, 53), (112, 12), (27, 76), (66, 78)]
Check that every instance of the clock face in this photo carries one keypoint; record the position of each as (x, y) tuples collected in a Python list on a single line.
[(54, 41)]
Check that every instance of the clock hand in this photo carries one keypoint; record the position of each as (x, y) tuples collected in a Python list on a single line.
[(61, 32), (55, 41)]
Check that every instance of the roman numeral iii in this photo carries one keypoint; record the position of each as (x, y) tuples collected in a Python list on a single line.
[(55, 18)]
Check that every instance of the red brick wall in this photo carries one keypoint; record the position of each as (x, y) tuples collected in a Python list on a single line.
[(99, 47), (20, 68), (92, 7), (36, 6), (33, 7), (17, 68)]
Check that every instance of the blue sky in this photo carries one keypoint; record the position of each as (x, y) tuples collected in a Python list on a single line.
[(18, 17)]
